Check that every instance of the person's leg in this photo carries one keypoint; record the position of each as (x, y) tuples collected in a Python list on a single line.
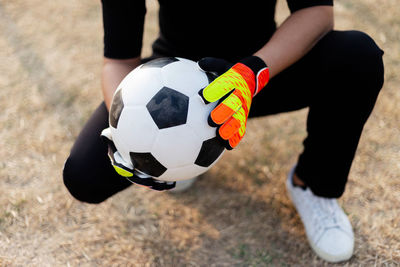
[(87, 173), (353, 79), (339, 80)]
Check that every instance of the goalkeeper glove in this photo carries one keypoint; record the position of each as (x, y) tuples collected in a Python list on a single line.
[(234, 90), (127, 170)]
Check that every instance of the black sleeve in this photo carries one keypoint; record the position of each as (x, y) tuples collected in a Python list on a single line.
[(295, 5), (123, 22)]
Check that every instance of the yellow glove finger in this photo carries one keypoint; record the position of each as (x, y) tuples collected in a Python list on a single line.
[(223, 85)]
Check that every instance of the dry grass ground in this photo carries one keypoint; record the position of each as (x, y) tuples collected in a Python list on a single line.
[(50, 58)]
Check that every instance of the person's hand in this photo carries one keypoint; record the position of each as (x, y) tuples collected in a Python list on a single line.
[(234, 88), (127, 170)]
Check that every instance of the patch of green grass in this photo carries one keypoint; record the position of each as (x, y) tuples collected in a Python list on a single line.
[(241, 252), (261, 258), (255, 258)]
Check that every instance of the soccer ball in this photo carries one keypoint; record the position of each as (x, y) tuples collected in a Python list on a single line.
[(159, 122)]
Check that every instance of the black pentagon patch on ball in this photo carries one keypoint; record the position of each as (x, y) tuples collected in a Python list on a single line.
[(211, 77), (116, 108), (210, 150), (147, 163), (168, 108), (159, 62)]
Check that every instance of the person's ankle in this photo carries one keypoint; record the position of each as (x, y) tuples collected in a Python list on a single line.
[(298, 182)]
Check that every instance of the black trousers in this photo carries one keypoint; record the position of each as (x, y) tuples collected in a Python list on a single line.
[(338, 80)]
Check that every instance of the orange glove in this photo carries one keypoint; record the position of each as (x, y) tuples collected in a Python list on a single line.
[(234, 89)]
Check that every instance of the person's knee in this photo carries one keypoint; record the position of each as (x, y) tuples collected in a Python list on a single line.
[(355, 64), (365, 60), (76, 181)]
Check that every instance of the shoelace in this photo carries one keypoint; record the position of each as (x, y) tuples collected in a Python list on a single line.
[(324, 215), (326, 211)]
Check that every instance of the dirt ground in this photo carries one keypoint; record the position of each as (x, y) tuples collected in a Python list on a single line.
[(50, 62)]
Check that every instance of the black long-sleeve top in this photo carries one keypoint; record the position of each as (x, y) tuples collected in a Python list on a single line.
[(194, 29)]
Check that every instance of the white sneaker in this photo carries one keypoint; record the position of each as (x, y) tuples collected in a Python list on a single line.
[(183, 185), (328, 229)]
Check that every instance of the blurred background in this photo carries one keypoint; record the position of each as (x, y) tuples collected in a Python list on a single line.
[(237, 214)]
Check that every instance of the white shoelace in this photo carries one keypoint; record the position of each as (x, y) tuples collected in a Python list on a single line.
[(324, 213)]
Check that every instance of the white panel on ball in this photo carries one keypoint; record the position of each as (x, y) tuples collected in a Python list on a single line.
[(198, 117), (140, 86), (184, 76), (176, 146), (136, 130)]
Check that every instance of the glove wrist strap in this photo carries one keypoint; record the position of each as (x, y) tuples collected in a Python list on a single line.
[(260, 70)]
